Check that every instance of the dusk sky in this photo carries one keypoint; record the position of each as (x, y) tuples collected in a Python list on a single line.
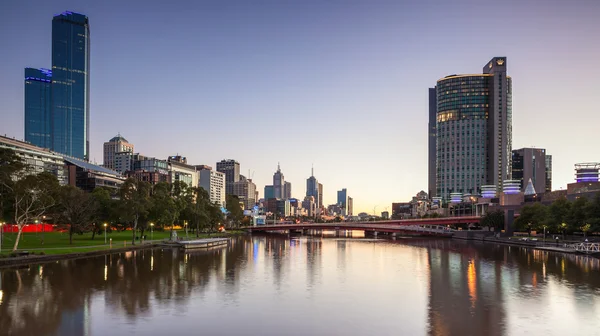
[(342, 85)]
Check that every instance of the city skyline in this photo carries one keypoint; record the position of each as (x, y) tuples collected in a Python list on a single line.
[(361, 88)]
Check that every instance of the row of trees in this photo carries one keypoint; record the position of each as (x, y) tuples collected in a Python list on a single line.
[(26, 197), (562, 216)]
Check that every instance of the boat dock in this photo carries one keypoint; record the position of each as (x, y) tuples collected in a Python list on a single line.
[(202, 243)]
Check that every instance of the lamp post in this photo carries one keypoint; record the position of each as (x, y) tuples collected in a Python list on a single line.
[(105, 226), (151, 231), (1, 235)]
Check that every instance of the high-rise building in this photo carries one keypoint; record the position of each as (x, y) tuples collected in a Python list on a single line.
[(245, 190), (269, 192), (70, 115), (214, 183), (548, 173), (231, 169), (310, 205), (117, 144), (530, 163), (474, 130), (432, 142), (183, 172), (312, 187), (350, 208), (320, 200), (278, 183), (287, 190), (37, 107), (342, 201)]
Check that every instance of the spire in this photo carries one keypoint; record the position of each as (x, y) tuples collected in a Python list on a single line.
[(312, 170), (278, 169), (530, 190)]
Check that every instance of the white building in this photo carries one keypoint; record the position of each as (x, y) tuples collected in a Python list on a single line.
[(37, 159), (181, 171), (214, 183), (118, 144)]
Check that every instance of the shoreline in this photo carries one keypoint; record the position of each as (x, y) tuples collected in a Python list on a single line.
[(41, 259), (548, 248)]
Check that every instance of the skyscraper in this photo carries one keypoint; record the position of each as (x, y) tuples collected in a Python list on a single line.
[(320, 201), (37, 106), (548, 173), (117, 144), (474, 130), (431, 145), (312, 186), (231, 169), (350, 207), (278, 183), (70, 116), (287, 190), (530, 164), (269, 192)]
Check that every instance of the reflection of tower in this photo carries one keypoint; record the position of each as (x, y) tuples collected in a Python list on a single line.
[(461, 286), (313, 261)]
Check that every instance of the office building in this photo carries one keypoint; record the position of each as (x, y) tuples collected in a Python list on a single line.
[(231, 169), (37, 107), (181, 171), (87, 176), (117, 144), (269, 192), (245, 190), (310, 205), (320, 199), (530, 164), (312, 187), (548, 173), (431, 161), (70, 116), (278, 183), (287, 190), (350, 207), (147, 169), (474, 130), (214, 183)]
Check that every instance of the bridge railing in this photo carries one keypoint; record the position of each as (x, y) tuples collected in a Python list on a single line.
[(585, 247)]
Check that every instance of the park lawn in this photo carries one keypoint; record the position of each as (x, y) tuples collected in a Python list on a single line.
[(53, 240)]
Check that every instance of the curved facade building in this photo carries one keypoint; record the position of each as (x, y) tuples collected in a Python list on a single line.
[(473, 130)]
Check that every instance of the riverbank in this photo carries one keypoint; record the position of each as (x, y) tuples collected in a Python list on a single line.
[(55, 253), (550, 246)]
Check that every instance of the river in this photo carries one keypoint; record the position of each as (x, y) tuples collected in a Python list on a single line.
[(273, 285)]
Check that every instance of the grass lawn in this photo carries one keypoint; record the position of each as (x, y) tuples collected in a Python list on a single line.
[(58, 242)]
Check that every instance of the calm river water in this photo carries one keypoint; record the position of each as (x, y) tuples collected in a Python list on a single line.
[(273, 285)]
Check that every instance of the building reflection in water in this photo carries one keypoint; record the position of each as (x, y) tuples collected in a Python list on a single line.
[(466, 288)]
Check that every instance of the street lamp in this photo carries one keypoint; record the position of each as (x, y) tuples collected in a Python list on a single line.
[(151, 232), (1, 235), (105, 225)]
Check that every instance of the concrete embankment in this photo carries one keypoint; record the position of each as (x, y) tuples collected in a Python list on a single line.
[(488, 237)]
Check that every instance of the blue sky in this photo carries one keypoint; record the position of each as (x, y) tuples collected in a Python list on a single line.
[(338, 84)]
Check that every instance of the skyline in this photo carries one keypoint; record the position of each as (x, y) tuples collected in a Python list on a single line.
[(348, 92)]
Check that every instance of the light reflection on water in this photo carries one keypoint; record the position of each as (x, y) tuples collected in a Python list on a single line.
[(272, 285)]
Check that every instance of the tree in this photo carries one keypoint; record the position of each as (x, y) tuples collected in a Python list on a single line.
[(577, 216), (558, 214), (105, 209), (585, 228), (235, 212), (532, 217), (77, 209), (11, 169), (493, 219), (135, 202)]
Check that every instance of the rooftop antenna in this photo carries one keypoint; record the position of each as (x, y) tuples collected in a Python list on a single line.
[(312, 170), (278, 169)]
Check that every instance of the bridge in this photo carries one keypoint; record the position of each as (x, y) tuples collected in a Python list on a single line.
[(587, 248), (429, 226)]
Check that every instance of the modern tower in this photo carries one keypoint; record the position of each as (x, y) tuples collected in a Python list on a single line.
[(529, 164), (320, 202), (312, 186), (37, 106), (474, 130), (117, 144), (431, 143), (70, 102), (231, 169), (278, 183), (548, 173)]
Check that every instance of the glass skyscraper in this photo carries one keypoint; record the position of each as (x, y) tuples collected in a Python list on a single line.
[(57, 101), (70, 117), (37, 106)]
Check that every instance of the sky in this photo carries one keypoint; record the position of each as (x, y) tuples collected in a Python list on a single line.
[(341, 85)]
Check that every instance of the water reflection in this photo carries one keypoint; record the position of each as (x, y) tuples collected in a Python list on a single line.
[(310, 285)]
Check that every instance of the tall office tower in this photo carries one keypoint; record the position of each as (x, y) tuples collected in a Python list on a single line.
[(278, 183), (350, 207), (287, 190), (474, 130), (342, 200), (117, 144), (432, 145), (320, 200), (312, 186), (37, 106), (214, 183), (530, 163), (548, 173), (70, 116), (231, 169), (245, 190)]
